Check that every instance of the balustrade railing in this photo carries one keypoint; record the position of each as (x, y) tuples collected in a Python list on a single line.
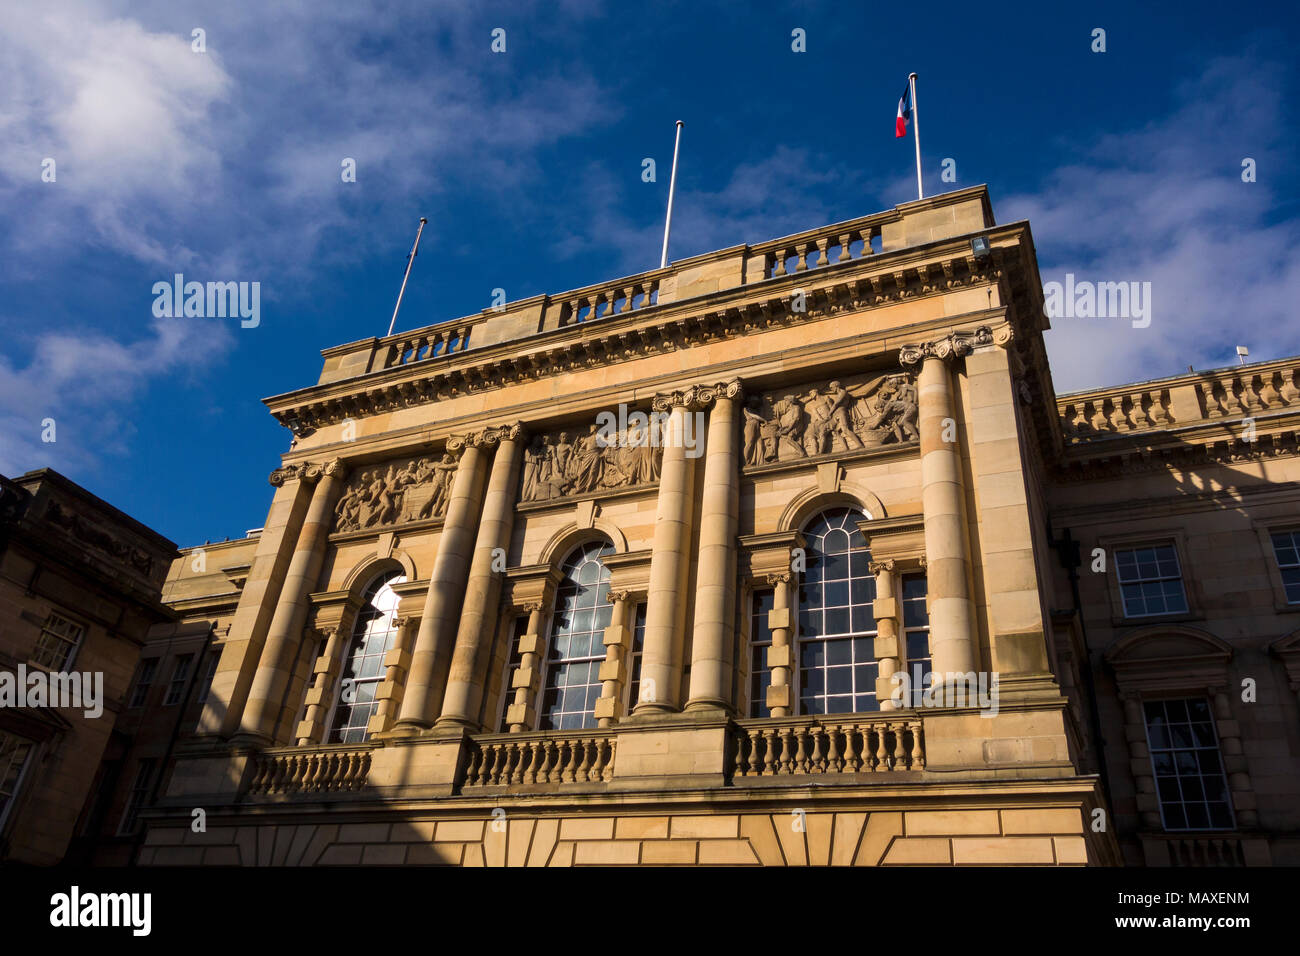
[(427, 343), (1209, 395), (1190, 850), (818, 247), (310, 770), (776, 747), (598, 302), (514, 759)]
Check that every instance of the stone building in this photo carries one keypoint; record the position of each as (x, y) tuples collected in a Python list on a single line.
[(79, 591), (765, 557)]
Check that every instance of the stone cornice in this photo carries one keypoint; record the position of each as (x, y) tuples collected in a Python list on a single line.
[(860, 284)]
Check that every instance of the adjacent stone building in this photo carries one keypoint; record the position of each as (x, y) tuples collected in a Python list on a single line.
[(632, 575), (79, 591)]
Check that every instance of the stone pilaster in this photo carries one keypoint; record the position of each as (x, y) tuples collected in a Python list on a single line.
[(661, 657), (325, 671), (522, 714), (265, 696), (431, 655), (715, 583), (468, 673), (780, 656), (257, 603), (889, 651), (396, 663), (952, 615), (613, 669)]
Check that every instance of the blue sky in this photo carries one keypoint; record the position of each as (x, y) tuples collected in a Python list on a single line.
[(225, 165)]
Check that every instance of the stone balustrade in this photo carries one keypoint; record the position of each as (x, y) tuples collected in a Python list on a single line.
[(775, 747), (816, 248), (502, 760), (433, 342), (289, 770), (1189, 399), (1175, 849), (610, 298)]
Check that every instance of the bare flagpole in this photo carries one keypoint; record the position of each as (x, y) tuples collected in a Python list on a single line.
[(916, 135), (672, 187), (410, 261)]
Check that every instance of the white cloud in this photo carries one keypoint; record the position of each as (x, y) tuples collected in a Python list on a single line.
[(1164, 203)]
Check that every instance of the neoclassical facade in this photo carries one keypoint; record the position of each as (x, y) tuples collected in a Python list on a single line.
[(754, 559)]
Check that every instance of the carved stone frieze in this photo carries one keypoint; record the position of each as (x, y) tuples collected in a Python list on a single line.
[(865, 412)]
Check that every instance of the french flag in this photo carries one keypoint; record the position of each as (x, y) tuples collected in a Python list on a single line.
[(904, 111)]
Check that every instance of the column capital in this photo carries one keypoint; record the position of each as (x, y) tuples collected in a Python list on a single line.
[(778, 577), (330, 468), (953, 346), (697, 397), (284, 473), (532, 607), (618, 595), (881, 567)]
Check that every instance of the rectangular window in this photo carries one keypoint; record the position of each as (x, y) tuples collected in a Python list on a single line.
[(916, 634), (516, 658), (1190, 782), (634, 665), (1286, 548), (1150, 581), (180, 674), (139, 794), (14, 754), (760, 639), (143, 681), (58, 643), (209, 672)]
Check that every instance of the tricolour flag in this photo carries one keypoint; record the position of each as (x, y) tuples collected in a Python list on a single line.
[(904, 111)]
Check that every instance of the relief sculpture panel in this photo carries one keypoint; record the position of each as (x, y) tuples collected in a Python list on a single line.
[(603, 458), (412, 489), (836, 417)]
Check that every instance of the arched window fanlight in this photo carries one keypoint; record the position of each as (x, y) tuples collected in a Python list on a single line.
[(373, 636), (837, 626), (582, 612)]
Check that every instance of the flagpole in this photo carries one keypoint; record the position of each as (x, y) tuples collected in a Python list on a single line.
[(916, 135), (672, 187), (410, 261)]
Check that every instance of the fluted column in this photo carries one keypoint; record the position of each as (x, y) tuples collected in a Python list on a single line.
[(522, 714), (431, 655), (286, 630), (780, 654), (713, 638), (888, 649), (661, 657), (613, 669), (468, 672), (952, 616)]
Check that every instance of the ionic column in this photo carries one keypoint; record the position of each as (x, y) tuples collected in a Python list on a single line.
[(311, 729), (715, 582), (468, 672), (613, 669), (888, 644), (952, 615), (522, 714), (780, 654), (661, 657), (396, 663), (286, 630), (431, 655)]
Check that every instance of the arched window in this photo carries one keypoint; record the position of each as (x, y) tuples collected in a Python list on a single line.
[(837, 662), (373, 636), (577, 647)]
